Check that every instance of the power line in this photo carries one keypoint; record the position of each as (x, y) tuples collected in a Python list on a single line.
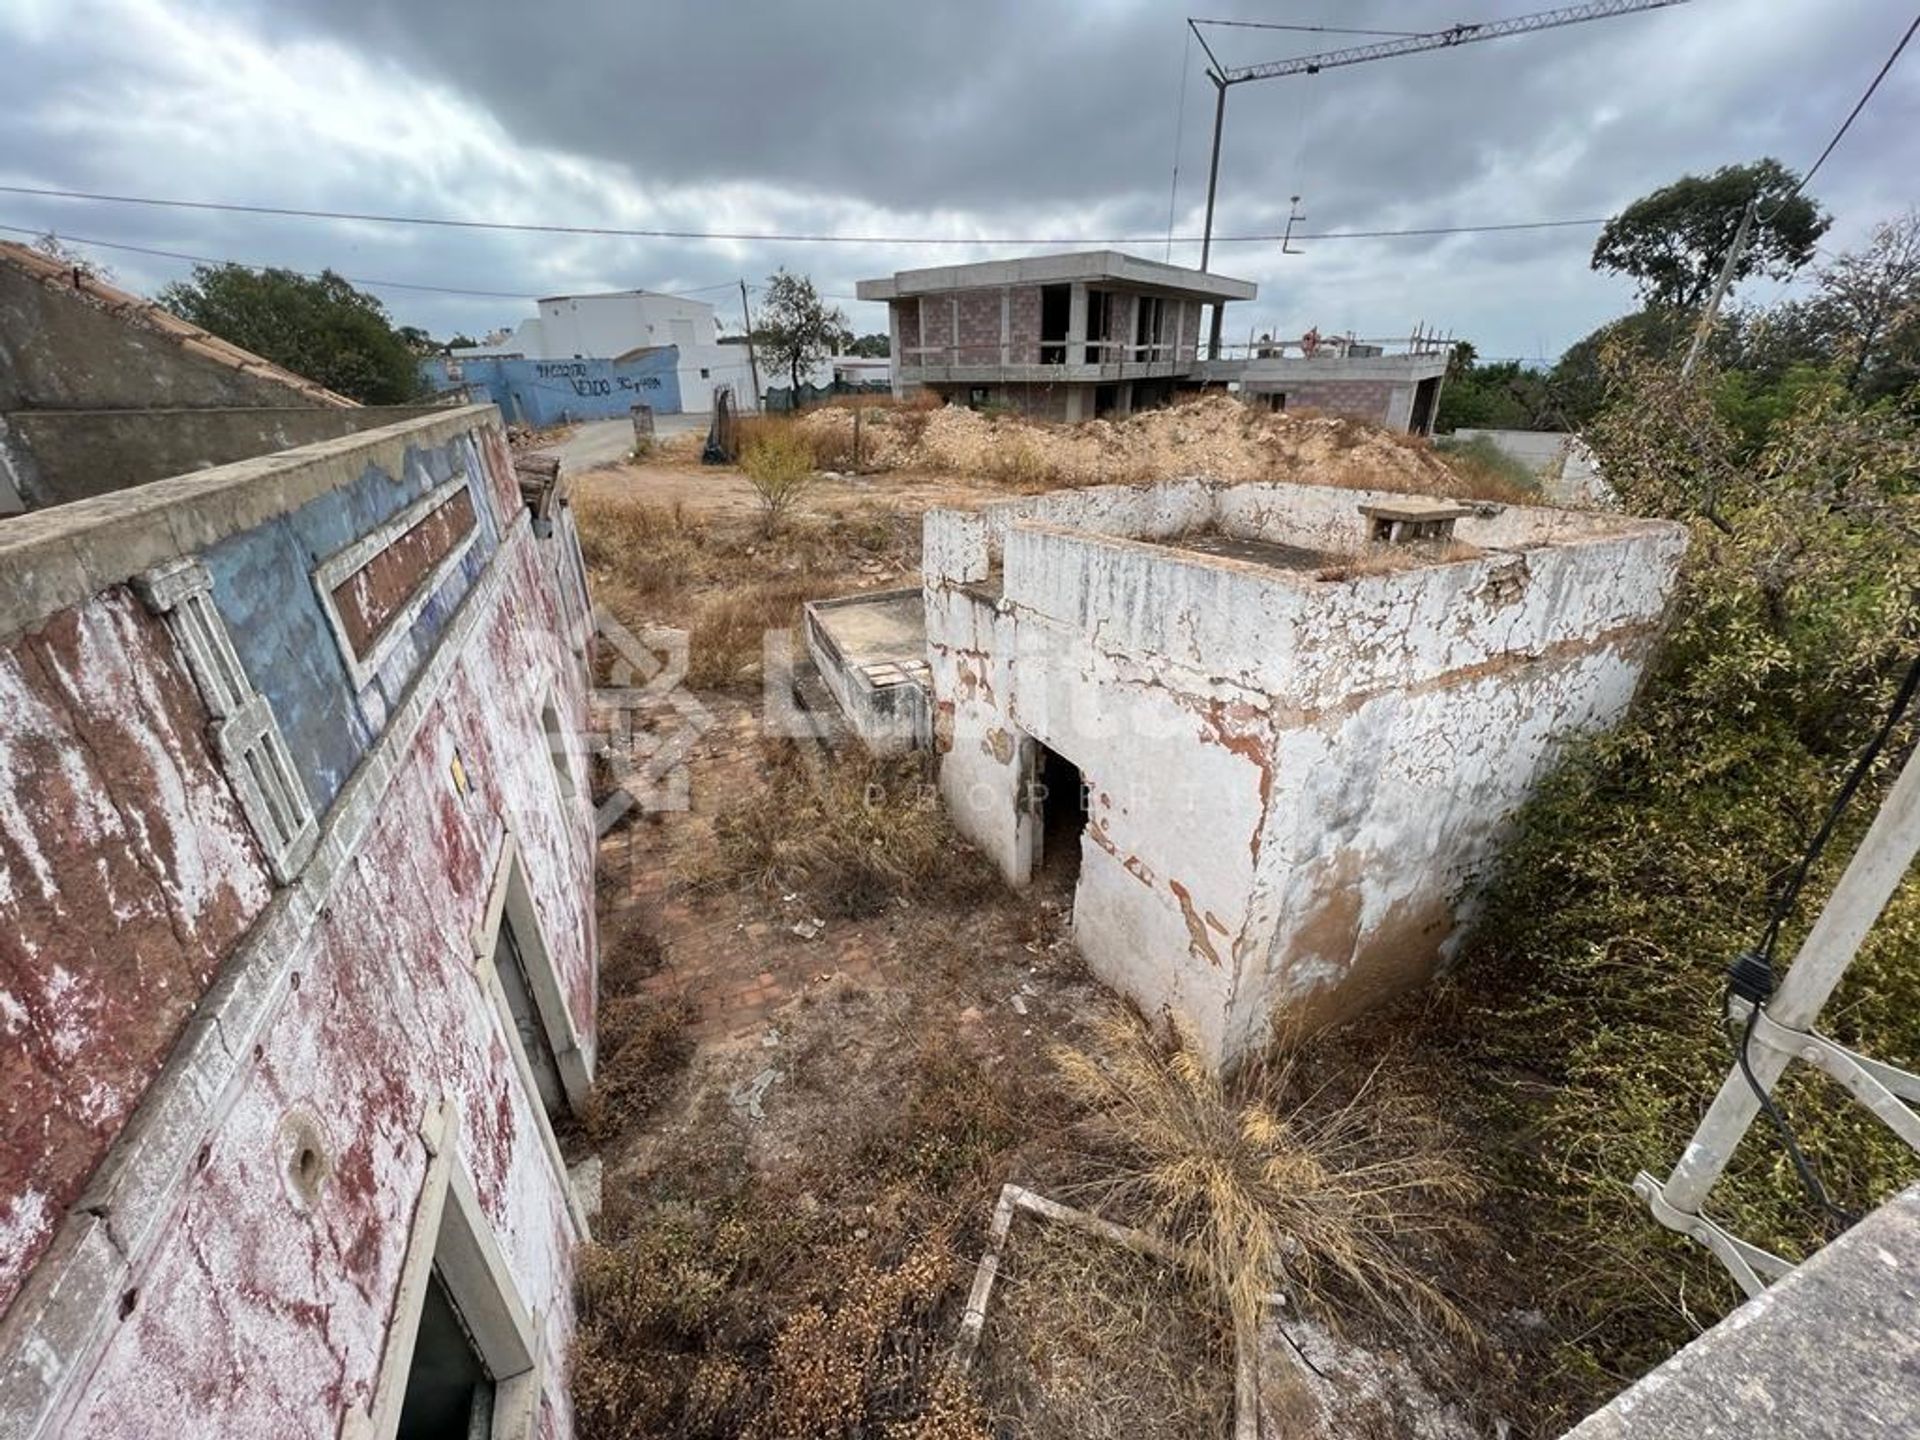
[(314, 275), (446, 222), (1860, 105)]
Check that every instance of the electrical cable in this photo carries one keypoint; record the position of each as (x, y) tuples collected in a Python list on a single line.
[(1845, 125), (1751, 975), (315, 275), (447, 222)]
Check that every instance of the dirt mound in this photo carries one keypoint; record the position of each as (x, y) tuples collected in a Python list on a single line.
[(1216, 436)]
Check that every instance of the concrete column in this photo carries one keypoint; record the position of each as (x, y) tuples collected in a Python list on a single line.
[(1077, 326), (893, 348)]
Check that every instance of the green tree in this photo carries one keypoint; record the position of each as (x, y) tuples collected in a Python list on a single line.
[(321, 328), (1674, 241), (797, 329), (871, 347)]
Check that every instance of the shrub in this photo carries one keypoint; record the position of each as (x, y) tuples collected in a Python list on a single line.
[(1486, 466), (777, 459)]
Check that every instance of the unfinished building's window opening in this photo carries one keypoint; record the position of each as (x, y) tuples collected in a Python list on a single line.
[(449, 1392), (1056, 309), (1106, 399), (1148, 326), (1099, 324), (1060, 798), (509, 963)]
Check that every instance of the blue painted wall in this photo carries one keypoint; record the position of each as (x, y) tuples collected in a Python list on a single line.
[(263, 590), (553, 392)]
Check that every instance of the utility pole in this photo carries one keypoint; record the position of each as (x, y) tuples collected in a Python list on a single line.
[(753, 365), (1712, 310)]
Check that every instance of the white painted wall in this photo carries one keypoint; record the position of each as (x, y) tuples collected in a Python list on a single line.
[(1296, 783), (604, 327)]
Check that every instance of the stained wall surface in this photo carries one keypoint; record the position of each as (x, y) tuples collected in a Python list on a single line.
[(1296, 775), (220, 1083)]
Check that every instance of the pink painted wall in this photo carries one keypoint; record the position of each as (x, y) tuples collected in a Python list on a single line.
[(261, 1307)]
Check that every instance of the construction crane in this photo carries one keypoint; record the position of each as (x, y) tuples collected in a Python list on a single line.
[(1224, 76)]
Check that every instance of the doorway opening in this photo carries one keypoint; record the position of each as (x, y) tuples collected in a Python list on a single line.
[(1426, 399), (1060, 803), (1056, 312)]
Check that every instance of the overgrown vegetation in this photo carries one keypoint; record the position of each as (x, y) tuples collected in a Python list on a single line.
[(1588, 1009), (856, 833), (1487, 466)]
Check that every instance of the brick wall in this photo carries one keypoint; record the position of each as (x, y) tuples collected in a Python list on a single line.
[(1362, 399), (907, 316), (1024, 325), (979, 312)]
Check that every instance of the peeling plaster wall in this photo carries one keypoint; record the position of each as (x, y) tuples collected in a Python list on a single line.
[(1295, 784), (203, 1277)]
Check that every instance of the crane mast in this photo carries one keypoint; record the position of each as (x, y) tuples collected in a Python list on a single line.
[(1223, 76)]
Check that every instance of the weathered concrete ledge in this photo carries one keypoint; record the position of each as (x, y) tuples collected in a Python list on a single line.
[(1832, 1350), (51, 559)]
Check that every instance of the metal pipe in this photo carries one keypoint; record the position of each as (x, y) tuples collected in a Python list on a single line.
[(1213, 186)]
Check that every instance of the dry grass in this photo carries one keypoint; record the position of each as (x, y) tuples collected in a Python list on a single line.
[(1391, 559), (855, 834), (1086, 1340), (1264, 1181)]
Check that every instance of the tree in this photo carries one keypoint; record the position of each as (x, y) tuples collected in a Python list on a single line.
[(1868, 307), (871, 347), (321, 328), (1674, 241), (797, 329)]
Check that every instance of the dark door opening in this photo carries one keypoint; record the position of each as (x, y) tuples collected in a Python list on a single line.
[(1056, 311), (1106, 399), (1425, 396), (1061, 794), (449, 1392)]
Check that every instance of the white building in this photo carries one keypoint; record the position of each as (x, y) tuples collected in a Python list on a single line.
[(606, 327)]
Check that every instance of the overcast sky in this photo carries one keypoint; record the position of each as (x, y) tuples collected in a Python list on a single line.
[(989, 118)]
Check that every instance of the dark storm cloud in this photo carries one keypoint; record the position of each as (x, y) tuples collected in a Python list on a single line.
[(979, 119)]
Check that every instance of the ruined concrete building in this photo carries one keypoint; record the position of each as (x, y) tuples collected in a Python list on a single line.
[(1272, 732), (1097, 334), (299, 967), (100, 390)]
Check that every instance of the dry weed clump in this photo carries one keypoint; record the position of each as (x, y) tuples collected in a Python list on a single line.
[(833, 1368), (1085, 1340), (643, 1043), (1264, 1181), (1391, 559), (855, 834)]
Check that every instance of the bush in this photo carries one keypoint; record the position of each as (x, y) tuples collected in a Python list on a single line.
[(778, 461), (1485, 465), (1588, 1006)]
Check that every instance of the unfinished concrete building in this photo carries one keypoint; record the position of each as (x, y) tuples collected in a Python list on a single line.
[(1271, 734), (100, 390), (297, 858), (1060, 337)]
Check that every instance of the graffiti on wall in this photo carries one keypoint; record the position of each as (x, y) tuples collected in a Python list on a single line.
[(546, 392)]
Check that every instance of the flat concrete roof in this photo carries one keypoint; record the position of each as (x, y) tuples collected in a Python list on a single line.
[(888, 627), (1085, 266)]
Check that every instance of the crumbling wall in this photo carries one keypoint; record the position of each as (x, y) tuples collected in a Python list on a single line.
[(1296, 782), (234, 1249)]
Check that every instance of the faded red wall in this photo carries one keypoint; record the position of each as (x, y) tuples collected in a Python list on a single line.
[(126, 874)]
